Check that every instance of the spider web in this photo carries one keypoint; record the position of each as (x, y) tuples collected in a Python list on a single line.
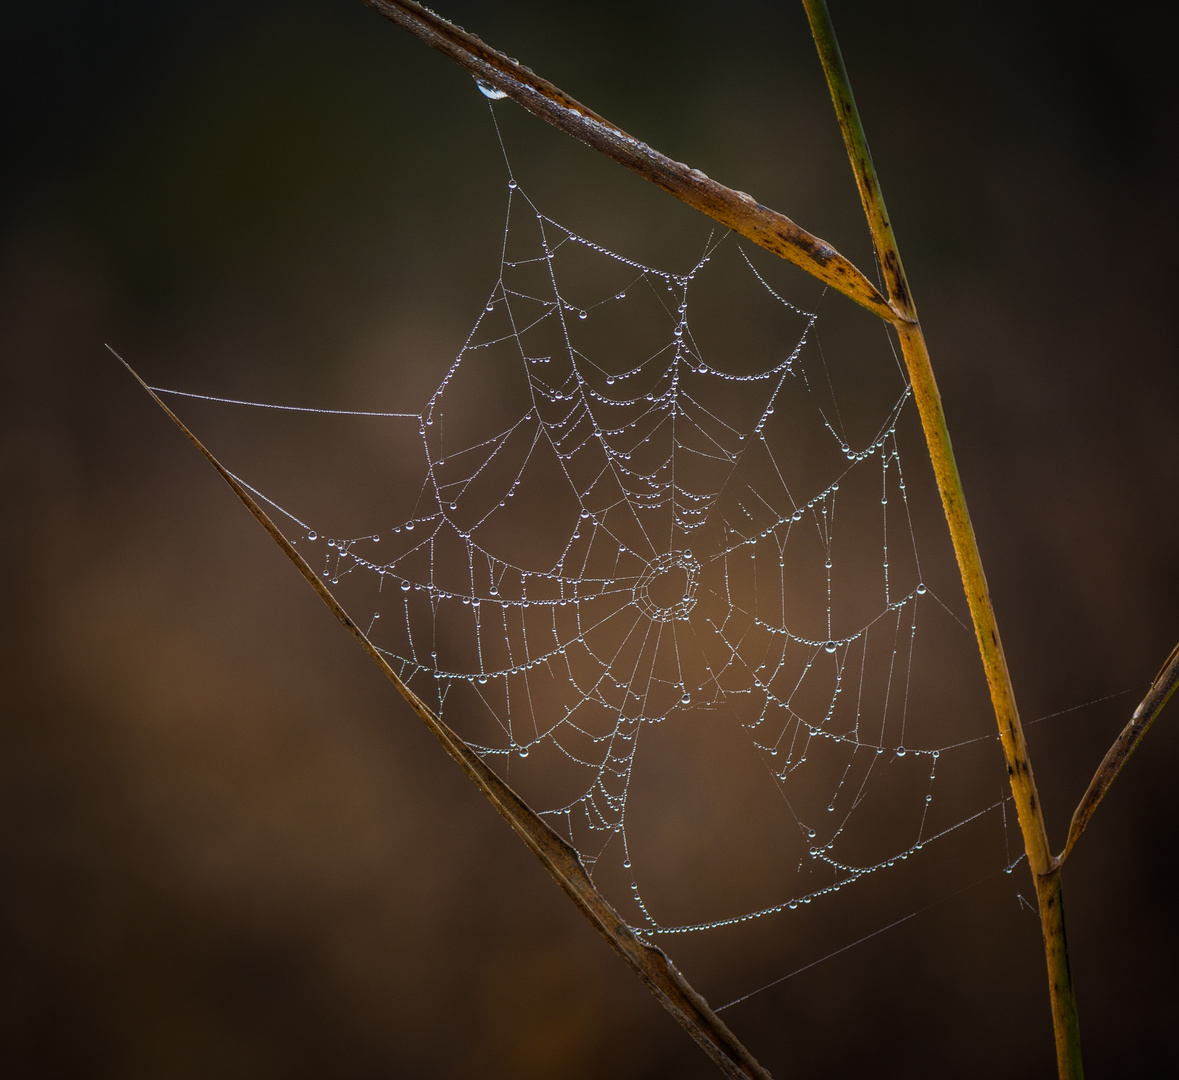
[(621, 527)]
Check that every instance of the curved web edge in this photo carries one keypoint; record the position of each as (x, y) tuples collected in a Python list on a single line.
[(691, 563)]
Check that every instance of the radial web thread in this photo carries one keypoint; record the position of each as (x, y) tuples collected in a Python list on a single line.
[(616, 531)]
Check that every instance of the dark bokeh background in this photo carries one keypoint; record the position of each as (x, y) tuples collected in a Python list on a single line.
[(226, 849)]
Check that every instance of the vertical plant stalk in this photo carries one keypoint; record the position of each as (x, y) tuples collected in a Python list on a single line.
[(1045, 870)]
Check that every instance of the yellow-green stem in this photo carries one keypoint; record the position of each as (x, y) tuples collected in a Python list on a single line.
[(1045, 872), (1060, 976), (974, 582)]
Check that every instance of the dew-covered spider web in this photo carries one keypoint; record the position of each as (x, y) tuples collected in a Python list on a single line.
[(668, 586)]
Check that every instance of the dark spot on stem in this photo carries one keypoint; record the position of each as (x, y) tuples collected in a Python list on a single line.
[(892, 268), (821, 253)]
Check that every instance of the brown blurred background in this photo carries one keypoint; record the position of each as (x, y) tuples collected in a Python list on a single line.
[(227, 850)]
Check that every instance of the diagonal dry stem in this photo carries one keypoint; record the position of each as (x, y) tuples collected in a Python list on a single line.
[(738, 211), (1164, 685), (562, 862)]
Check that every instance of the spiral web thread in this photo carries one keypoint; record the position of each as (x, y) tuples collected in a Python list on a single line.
[(686, 563)]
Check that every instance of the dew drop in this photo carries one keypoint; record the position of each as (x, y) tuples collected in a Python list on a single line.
[(511, 185), (313, 535), (492, 93), (830, 646), (405, 586), (583, 314), (921, 590)]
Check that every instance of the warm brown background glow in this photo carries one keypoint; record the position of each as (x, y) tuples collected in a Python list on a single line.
[(228, 850)]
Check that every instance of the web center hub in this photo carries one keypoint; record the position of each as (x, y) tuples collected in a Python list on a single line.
[(667, 589)]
